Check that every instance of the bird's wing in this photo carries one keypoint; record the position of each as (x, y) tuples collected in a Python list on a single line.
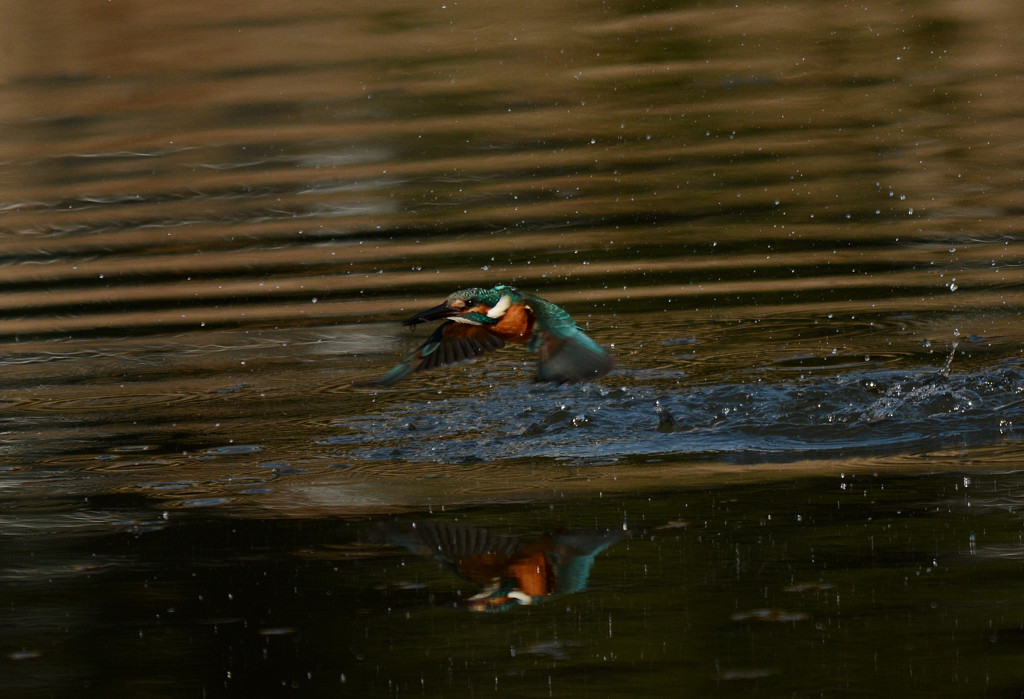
[(564, 351), (475, 553), (452, 342), (573, 557)]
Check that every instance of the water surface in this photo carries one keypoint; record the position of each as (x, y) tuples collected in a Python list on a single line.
[(796, 226)]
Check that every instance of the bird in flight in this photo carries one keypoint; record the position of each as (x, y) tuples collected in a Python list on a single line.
[(511, 572), (477, 321)]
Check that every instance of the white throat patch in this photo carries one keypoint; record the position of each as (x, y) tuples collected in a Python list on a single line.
[(499, 308)]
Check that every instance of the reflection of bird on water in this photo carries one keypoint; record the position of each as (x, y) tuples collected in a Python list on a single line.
[(483, 320), (511, 573)]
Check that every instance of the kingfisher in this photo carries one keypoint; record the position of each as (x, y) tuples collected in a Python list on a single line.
[(477, 321), (510, 572)]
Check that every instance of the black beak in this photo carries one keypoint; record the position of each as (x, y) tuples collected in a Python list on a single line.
[(435, 313)]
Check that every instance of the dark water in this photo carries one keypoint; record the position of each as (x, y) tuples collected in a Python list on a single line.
[(797, 226)]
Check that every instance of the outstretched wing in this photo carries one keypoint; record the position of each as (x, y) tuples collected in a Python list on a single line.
[(564, 351), (573, 556), (452, 342)]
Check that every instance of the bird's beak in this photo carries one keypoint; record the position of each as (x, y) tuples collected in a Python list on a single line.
[(436, 313)]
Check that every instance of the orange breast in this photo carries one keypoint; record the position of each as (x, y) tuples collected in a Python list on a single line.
[(515, 326), (533, 573)]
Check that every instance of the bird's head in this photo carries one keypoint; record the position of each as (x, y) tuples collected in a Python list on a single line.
[(473, 306)]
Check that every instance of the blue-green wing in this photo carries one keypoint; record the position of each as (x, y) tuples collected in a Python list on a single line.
[(452, 342), (573, 557), (565, 352)]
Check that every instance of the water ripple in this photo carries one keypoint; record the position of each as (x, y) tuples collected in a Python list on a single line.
[(872, 412)]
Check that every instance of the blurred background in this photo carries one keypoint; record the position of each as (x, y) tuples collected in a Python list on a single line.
[(795, 225)]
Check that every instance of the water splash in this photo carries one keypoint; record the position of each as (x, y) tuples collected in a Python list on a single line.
[(871, 412)]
